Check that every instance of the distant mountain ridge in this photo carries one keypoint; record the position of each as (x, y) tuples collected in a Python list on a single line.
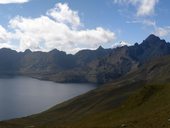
[(96, 66)]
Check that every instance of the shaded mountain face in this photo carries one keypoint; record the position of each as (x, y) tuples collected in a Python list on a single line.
[(9, 61), (126, 59), (84, 57), (150, 48), (97, 66), (42, 62)]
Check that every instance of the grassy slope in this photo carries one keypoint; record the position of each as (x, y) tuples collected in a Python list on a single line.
[(130, 102)]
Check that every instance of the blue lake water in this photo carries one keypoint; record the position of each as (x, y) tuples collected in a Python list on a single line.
[(23, 96)]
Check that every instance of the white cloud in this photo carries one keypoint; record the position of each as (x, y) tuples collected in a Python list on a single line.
[(147, 22), (147, 7), (162, 31), (62, 13), (12, 1), (6, 45), (4, 35), (5, 38), (121, 44), (58, 29), (159, 31), (144, 7)]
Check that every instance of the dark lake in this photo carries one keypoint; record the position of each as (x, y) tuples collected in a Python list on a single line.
[(23, 96)]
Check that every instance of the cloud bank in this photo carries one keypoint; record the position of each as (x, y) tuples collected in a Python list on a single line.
[(59, 28)]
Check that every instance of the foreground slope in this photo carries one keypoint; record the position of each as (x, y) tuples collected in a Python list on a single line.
[(138, 100)]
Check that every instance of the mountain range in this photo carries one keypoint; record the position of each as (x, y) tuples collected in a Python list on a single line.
[(134, 93), (95, 66)]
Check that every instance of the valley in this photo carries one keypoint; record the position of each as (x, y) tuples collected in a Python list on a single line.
[(134, 92)]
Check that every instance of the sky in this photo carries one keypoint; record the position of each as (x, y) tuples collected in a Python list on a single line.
[(73, 25)]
